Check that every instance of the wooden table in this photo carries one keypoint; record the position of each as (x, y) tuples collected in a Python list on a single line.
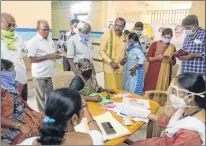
[(96, 109)]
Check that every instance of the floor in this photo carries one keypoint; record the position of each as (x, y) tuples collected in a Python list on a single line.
[(140, 134)]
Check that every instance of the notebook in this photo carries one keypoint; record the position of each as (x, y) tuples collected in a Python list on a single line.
[(106, 117)]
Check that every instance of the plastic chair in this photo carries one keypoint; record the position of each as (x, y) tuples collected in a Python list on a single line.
[(62, 79)]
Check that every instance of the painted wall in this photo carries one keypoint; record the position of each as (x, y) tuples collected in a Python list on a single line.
[(27, 13), (198, 8)]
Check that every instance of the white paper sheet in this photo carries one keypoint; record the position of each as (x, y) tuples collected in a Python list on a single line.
[(136, 102), (106, 117)]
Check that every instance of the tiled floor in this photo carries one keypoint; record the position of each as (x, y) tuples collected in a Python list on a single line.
[(140, 134)]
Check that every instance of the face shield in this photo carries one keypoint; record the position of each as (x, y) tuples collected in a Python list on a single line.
[(179, 100)]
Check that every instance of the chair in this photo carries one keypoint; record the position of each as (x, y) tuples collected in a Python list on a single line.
[(153, 130), (62, 79)]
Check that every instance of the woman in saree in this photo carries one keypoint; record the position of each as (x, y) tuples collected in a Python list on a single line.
[(86, 82), (160, 60), (18, 120), (183, 120), (134, 67)]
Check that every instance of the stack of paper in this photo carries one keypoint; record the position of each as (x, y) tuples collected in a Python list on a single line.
[(106, 117), (136, 102)]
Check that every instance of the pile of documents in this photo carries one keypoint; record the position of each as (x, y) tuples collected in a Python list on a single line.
[(137, 109)]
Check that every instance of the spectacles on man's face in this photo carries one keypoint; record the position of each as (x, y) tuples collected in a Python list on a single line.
[(9, 25), (45, 30)]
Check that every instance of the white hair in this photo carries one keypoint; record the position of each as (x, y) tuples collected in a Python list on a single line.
[(84, 27)]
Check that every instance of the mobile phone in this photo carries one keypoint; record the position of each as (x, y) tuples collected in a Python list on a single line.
[(108, 128)]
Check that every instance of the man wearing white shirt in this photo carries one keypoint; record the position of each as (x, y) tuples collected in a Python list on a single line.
[(42, 54), (13, 49)]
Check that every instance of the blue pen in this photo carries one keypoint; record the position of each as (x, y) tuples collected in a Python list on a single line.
[(125, 115)]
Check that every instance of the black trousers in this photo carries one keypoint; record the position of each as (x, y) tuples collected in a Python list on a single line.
[(66, 64), (25, 92)]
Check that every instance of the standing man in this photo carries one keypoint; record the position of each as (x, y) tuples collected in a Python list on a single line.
[(65, 36), (13, 49), (145, 41), (42, 55), (112, 50), (79, 46), (194, 44)]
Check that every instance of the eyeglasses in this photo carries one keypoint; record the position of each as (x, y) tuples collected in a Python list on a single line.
[(44, 30), (10, 25), (84, 106)]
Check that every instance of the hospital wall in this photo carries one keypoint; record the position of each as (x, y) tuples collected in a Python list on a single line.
[(27, 13)]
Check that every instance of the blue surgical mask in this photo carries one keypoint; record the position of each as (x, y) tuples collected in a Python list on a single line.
[(166, 40), (189, 32)]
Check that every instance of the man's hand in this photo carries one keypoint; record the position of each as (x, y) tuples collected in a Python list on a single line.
[(123, 61), (53, 56), (133, 70), (189, 56), (114, 65)]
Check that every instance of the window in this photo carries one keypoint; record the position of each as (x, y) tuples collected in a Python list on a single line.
[(82, 16)]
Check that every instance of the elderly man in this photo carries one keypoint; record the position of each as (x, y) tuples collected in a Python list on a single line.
[(13, 49), (79, 46), (112, 50), (42, 55), (145, 41), (65, 36), (194, 44)]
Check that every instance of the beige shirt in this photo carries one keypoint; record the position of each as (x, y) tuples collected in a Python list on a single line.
[(77, 50), (119, 49)]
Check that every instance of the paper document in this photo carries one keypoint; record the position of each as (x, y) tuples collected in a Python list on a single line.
[(106, 117), (122, 95), (136, 102), (136, 113)]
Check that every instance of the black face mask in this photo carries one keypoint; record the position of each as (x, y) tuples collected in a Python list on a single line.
[(87, 73)]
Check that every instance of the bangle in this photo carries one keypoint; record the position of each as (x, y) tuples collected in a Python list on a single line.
[(18, 126), (91, 121)]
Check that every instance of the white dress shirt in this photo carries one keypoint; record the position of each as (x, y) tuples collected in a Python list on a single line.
[(37, 47), (16, 57)]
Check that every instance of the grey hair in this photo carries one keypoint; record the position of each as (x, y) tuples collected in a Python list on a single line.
[(84, 27), (190, 20), (39, 22)]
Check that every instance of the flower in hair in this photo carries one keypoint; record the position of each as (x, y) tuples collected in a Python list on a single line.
[(49, 120)]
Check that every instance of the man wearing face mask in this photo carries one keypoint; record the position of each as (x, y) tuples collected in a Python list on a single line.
[(65, 36), (194, 44), (112, 50), (79, 46), (13, 49), (42, 54), (145, 41)]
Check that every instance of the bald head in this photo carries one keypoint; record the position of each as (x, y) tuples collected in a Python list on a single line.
[(7, 22), (43, 28)]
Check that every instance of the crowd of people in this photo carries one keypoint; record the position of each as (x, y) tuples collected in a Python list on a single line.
[(123, 56)]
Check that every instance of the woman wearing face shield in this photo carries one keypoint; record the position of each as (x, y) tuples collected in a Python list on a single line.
[(86, 82), (184, 119)]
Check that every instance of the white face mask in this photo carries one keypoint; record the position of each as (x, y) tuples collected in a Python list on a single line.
[(75, 30), (177, 102)]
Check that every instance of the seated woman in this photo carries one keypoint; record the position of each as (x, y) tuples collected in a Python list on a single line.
[(62, 117), (18, 120), (186, 125), (86, 83)]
